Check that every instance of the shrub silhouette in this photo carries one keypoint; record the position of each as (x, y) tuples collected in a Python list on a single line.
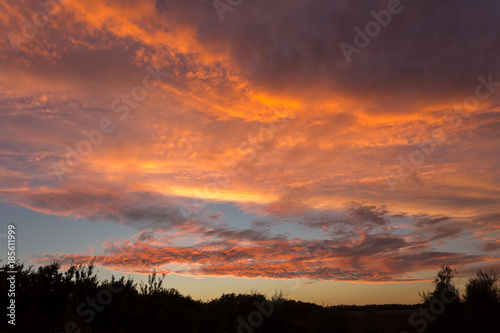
[(482, 303), (50, 300), (482, 292)]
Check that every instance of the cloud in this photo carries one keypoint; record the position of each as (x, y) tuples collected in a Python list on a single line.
[(141, 210), (375, 258), (200, 133), (284, 46), (491, 247)]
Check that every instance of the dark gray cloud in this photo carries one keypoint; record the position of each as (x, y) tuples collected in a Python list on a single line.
[(421, 260), (491, 247), (432, 48), (141, 210)]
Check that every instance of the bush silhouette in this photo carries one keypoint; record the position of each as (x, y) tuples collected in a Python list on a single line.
[(482, 303), (482, 292), (50, 300)]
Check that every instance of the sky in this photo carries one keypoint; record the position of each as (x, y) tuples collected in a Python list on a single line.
[(341, 151)]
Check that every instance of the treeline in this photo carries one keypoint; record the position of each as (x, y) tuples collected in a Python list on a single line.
[(444, 309), (75, 301), (375, 307)]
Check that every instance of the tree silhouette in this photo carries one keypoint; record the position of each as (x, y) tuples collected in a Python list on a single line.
[(51, 300), (483, 290), (482, 303), (443, 302), (444, 285)]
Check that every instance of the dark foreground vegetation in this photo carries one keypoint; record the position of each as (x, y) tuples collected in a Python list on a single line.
[(75, 301)]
